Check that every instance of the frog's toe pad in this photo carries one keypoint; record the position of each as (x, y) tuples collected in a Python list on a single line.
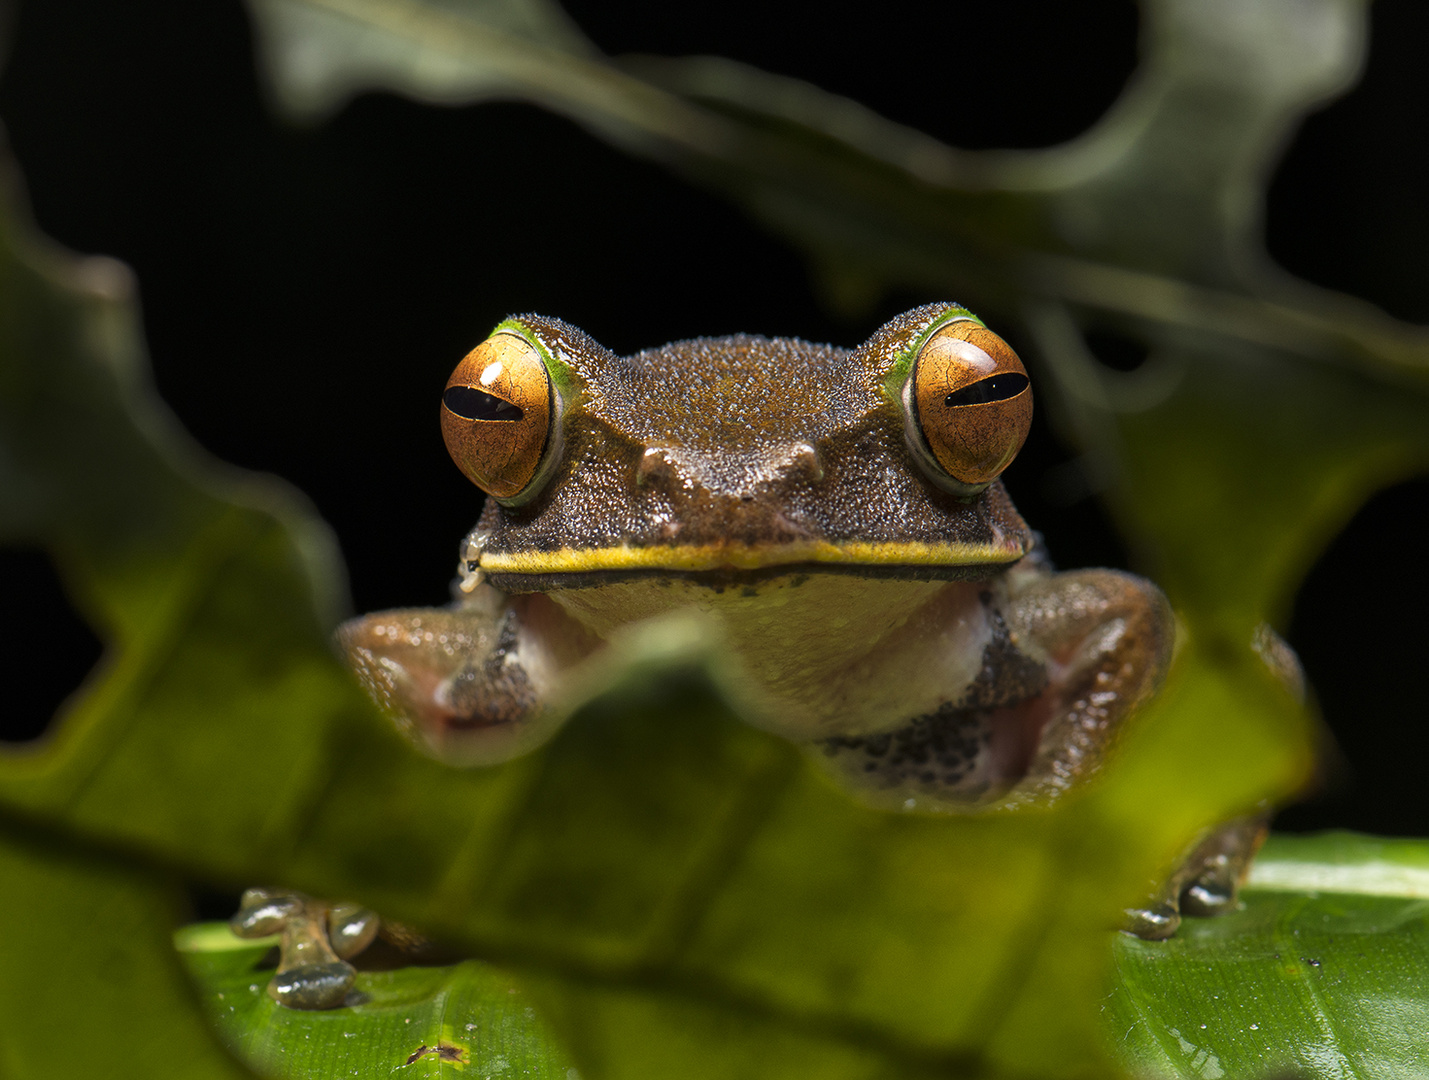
[(313, 986), (1209, 894), (1153, 923)]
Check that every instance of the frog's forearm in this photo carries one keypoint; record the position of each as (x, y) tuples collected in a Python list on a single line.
[(449, 678), (1107, 638)]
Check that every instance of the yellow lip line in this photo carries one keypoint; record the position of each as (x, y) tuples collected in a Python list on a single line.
[(747, 557)]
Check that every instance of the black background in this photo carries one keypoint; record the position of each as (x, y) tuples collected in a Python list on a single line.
[(307, 290)]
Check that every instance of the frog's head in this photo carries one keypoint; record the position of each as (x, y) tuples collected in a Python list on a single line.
[(728, 457)]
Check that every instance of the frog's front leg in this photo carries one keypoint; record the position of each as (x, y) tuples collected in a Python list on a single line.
[(466, 682), (1105, 639), (318, 938), (1100, 673), (1067, 658), (1071, 657), (1206, 879)]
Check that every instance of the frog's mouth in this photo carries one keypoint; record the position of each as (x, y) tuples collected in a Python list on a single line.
[(565, 568)]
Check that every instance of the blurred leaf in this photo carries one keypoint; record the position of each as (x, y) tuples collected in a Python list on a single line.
[(1320, 974), (441, 1021), (88, 984), (674, 887)]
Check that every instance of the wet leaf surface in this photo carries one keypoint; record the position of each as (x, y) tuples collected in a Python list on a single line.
[(462, 1019), (1319, 974), (1318, 984)]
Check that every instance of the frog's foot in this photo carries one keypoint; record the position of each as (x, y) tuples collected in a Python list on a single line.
[(1206, 882), (318, 939)]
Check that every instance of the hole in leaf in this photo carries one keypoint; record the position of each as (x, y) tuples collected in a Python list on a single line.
[(1116, 351), (47, 649), (1359, 629)]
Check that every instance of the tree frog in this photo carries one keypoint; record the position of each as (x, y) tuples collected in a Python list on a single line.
[(837, 513)]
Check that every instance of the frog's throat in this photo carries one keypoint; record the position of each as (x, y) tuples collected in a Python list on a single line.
[(741, 557)]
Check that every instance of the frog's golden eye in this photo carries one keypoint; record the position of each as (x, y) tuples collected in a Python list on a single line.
[(496, 414), (973, 401)]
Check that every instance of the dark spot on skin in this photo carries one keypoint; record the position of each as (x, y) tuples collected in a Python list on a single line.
[(749, 590), (939, 749), (505, 641), (1007, 674)]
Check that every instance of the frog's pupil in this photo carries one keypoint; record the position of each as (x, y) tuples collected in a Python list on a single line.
[(474, 404), (993, 388)]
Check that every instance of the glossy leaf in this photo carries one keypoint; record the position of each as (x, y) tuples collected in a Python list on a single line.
[(1319, 975), (417, 1021)]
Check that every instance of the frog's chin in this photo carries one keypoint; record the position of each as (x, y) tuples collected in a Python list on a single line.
[(724, 565)]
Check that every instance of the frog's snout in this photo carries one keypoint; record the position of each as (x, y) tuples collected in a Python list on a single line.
[(740, 476)]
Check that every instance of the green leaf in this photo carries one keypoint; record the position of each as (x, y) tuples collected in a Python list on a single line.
[(441, 1021), (88, 983), (1320, 974)]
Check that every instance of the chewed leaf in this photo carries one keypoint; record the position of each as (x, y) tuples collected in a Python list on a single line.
[(668, 881)]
